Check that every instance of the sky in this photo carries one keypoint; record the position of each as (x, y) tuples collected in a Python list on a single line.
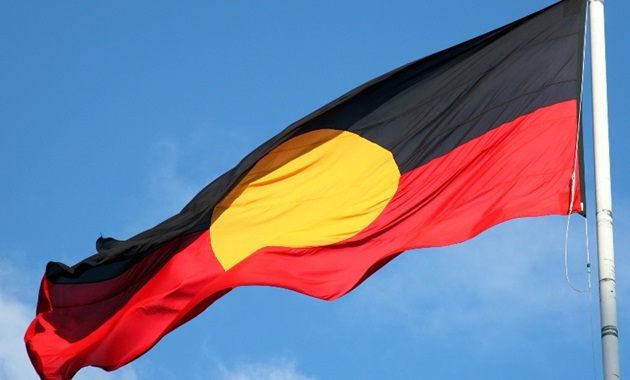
[(113, 115)]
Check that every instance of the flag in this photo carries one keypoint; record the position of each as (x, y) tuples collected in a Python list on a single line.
[(429, 154)]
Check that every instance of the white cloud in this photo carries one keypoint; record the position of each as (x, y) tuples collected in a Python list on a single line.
[(275, 370), (91, 373), (16, 285), (15, 314), (165, 183), (179, 167), (14, 318), (510, 276)]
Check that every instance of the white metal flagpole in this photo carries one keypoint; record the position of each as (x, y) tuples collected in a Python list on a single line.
[(605, 250)]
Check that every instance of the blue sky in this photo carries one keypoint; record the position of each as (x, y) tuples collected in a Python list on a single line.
[(114, 114)]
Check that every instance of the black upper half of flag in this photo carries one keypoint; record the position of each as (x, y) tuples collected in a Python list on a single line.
[(419, 112)]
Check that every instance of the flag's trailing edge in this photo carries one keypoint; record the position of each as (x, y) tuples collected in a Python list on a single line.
[(430, 154)]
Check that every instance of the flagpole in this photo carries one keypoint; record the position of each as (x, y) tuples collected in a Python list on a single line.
[(605, 250)]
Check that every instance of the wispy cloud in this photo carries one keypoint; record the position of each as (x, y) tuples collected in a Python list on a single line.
[(178, 167), (510, 276), (274, 370), (14, 362), (16, 286), (165, 167), (17, 309), (14, 318), (91, 373)]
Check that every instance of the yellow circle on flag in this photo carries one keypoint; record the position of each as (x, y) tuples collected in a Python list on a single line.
[(316, 189)]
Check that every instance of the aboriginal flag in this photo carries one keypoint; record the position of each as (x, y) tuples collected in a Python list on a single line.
[(429, 154)]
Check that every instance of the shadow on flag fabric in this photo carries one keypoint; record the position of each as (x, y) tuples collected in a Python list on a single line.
[(429, 154)]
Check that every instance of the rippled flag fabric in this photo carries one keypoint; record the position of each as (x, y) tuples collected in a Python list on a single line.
[(429, 154)]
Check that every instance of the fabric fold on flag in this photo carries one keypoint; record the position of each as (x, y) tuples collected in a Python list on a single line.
[(430, 154)]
